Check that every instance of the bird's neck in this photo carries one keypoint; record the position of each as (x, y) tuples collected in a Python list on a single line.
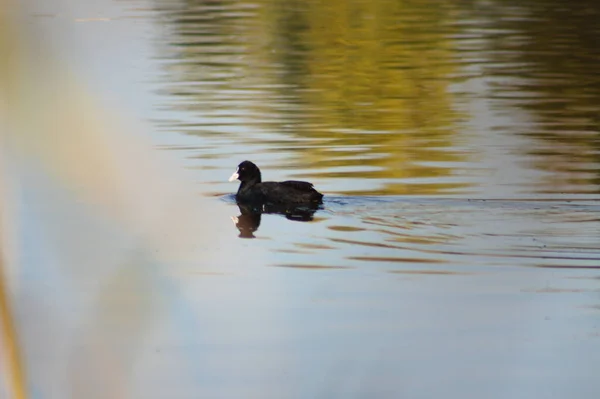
[(249, 183)]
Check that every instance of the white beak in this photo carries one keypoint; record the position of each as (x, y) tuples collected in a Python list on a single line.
[(234, 176)]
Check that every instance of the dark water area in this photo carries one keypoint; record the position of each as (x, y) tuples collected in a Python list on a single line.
[(457, 250)]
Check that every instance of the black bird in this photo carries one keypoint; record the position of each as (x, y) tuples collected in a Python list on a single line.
[(289, 193)]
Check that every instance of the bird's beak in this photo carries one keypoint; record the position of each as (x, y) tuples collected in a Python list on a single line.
[(234, 176)]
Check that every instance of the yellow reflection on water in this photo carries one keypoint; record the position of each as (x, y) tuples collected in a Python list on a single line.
[(376, 77), (364, 85), (393, 97)]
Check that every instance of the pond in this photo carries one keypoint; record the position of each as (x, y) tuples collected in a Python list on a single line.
[(456, 252)]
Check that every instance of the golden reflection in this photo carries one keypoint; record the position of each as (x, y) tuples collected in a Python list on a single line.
[(373, 67), (365, 85)]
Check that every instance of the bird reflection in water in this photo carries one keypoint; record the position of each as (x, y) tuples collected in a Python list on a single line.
[(250, 215)]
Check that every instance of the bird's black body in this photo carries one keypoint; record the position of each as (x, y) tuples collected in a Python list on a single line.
[(288, 193)]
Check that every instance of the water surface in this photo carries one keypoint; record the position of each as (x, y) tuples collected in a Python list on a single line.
[(456, 252)]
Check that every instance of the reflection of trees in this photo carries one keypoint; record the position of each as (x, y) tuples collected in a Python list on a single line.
[(551, 53), (373, 77), (368, 79)]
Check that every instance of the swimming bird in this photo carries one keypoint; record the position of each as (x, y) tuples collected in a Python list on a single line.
[(253, 190)]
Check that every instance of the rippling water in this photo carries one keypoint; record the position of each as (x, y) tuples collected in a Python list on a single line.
[(384, 98), (458, 146), (375, 100)]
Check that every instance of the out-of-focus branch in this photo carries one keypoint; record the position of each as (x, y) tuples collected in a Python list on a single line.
[(10, 356), (15, 378)]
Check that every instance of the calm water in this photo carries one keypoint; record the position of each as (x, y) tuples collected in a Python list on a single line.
[(457, 252)]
